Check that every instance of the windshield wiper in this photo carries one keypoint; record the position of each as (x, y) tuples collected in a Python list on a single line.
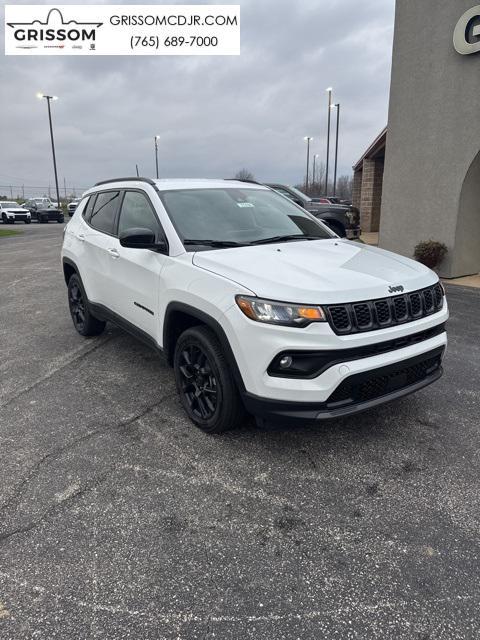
[(297, 236), (215, 243)]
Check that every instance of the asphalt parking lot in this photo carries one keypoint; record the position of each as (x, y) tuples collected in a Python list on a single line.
[(119, 519)]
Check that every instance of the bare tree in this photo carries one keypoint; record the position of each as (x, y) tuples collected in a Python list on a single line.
[(244, 174), (345, 187)]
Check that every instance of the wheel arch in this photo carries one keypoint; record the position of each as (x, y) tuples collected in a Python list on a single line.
[(179, 317), (69, 268)]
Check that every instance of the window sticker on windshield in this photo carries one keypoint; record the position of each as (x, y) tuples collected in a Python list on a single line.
[(245, 204)]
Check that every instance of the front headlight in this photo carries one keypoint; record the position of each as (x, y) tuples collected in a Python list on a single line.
[(280, 313)]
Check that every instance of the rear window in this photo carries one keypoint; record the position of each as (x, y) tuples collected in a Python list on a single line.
[(104, 211), (87, 212)]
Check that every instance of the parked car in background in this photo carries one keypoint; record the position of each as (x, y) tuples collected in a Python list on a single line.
[(42, 209), (34, 203), (12, 212), (322, 200), (342, 219), (71, 206), (327, 200)]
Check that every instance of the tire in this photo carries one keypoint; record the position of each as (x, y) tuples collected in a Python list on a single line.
[(61, 219), (28, 221), (205, 383), (83, 320)]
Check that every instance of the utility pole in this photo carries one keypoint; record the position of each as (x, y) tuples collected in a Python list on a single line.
[(329, 91), (49, 99), (157, 138), (315, 156), (336, 150), (307, 139)]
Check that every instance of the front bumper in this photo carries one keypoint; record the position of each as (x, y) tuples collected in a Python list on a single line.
[(255, 345), (353, 234), (357, 393), (18, 217)]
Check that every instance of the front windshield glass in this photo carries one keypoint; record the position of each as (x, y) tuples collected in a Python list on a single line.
[(238, 216), (10, 204), (300, 194)]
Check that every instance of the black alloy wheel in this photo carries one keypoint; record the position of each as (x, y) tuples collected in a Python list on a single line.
[(199, 384), (77, 306), (205, 383), (84, 322)]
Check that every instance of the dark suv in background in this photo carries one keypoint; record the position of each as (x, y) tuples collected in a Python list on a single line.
[(341, 218), (42, 212)]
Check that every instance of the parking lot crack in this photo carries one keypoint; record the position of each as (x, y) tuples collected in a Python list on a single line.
[(78, 493), (20, 489), (75, 358)]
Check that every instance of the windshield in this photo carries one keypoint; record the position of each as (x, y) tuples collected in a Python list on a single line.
[(232, 217), (300, 194), (10, 205)]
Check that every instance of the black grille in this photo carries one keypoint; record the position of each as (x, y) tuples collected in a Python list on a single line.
[(382, 308), (401, 308), (386, 312), (415, 304), (379, 382), (428, 300), (363, 315), (340, 318)]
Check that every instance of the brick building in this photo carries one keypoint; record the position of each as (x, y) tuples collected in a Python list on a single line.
[(368, 183)]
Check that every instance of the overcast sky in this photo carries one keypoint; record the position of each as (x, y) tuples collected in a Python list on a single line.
[(215, 115)]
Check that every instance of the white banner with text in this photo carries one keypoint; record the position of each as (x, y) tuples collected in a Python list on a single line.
[(122, 30)]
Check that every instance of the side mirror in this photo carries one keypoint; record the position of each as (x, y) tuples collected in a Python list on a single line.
[(141, 238)]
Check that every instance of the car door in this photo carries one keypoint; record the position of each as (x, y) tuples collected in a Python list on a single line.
[(135, 273), (95, 234)]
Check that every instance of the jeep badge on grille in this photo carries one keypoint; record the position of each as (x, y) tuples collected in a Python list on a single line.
[(398, 289)]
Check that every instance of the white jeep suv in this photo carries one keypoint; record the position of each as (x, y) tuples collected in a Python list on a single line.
[(256, 304)]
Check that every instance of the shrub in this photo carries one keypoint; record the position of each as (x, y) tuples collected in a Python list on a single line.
[(430, 253)]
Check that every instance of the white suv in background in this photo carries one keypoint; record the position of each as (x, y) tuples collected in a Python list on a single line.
[(257, 305), (11, 212)]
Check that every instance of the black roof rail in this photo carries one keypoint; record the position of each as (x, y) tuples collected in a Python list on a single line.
[(132, 179), (245, 180)]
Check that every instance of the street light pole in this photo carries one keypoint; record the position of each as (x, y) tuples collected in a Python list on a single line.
[(314, 163), (337, 106), (308, 140), (157, 138), (329, 91), (48, 99)]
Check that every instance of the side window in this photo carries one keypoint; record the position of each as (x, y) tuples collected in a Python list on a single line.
[(104, 211), (137, 212), (87, 212)]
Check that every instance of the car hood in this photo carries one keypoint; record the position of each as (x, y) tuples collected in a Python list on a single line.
[(314, 272), (16, 210)]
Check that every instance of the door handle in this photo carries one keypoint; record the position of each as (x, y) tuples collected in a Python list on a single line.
[(114, 253), (81, 237)]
